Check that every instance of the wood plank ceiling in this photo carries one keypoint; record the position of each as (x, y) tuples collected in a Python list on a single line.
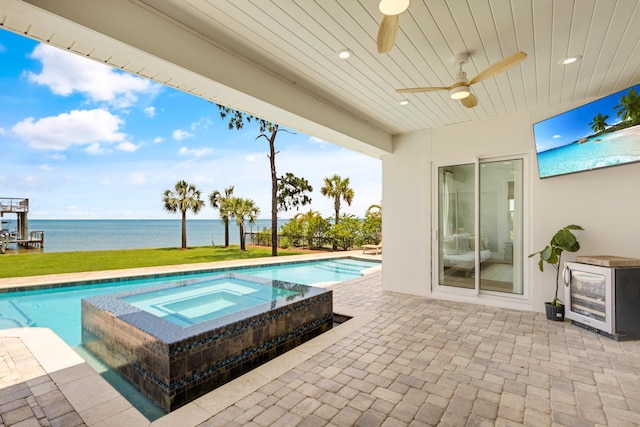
[(298, 40)]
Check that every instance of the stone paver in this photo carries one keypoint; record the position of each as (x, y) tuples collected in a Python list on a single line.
[(28, 397), (417, 362)]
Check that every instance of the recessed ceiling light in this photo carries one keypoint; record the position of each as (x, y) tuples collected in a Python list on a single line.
[(569, 60), (403, 102), (344, 54)]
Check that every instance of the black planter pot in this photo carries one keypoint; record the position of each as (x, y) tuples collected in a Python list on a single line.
[(554, 312)]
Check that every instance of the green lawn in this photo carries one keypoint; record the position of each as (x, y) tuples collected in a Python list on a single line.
[(34, 264)]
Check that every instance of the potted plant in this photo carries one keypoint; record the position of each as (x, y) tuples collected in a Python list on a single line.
[(563, 240)]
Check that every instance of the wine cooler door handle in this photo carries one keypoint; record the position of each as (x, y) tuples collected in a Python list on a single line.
[(566, 275)]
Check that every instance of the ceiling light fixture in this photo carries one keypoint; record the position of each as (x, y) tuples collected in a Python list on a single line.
[(393, 7), (569, 60), (459, 92), (344, 54), (403, 102)]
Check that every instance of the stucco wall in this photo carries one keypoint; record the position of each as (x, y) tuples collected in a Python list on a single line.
[(605, 202)]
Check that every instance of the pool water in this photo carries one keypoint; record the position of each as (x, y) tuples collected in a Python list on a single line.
[(209, 299), (59, 308)]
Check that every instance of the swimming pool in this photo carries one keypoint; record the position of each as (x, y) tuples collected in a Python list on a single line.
[(59, 308)]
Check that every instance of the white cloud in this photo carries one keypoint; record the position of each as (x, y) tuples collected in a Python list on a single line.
[(2, 131), (150, 111), (203, 122), (127, 146), (137, 178), (65, 73), (556, 136), (180, 134), (95, 149), (78, 127), (250, 158), (45, 167), (158, 140), (56, 156), (318, 141), (195, 152)]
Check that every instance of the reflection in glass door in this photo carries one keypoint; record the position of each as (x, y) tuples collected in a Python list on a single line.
[(456, 225), (480, 238), (501, 225)]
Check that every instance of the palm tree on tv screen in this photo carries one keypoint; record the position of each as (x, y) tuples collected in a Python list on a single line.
[(628, 110), (185, 197), (599, 123)]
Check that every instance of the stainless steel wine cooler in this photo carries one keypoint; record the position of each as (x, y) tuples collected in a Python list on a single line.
[(604, 298)]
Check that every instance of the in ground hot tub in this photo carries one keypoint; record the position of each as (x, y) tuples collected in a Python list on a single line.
[(178, 341)]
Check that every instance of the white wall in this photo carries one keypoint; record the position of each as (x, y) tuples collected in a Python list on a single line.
[(605, 202)]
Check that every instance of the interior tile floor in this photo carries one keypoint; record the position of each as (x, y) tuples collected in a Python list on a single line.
[(401, 361)]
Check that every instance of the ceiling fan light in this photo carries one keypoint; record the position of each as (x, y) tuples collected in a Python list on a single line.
[(393, 7), (459, 92)]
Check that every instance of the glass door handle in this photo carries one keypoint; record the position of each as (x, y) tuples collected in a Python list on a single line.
[(566, 275)]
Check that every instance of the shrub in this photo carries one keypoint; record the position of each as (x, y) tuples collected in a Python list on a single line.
[(347, 232)]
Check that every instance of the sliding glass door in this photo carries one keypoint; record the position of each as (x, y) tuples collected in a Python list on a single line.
[(479, 226)]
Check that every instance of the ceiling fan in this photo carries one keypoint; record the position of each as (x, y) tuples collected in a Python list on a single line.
[(388, 32), (459, 89)]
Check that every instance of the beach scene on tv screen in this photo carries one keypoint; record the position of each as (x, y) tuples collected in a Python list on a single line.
[(599, 134)]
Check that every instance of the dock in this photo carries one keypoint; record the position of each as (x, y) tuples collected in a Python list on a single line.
[(20, 235)]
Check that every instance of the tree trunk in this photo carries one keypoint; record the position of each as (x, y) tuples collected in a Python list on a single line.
[(241, 226), (226, 233), (336, 205), (184, 229), (274, 193)]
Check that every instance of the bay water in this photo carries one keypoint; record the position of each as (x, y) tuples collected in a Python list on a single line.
[(89, 235)]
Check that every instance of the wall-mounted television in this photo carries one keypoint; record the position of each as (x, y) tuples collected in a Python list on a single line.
[(602, 133)]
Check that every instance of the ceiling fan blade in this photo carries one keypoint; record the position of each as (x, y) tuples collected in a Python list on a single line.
[(499, 67), (470, 101), (421, 89), (388, 33)]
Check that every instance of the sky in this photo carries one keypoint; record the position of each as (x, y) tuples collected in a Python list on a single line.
[(573, 125), (82, 140)]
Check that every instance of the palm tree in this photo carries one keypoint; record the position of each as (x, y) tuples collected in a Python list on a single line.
[(241, 210), (337, 188), (218, 201), (599, 123), (629, 107), (374, 210), (185, 197)]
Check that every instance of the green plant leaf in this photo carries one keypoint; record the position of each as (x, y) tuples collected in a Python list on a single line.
[(574, 227), (564, 239)]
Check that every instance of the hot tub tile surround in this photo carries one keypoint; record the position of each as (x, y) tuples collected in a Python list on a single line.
[(174, 364)]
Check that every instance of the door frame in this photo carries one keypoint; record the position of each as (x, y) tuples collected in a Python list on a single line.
[(476, 292)]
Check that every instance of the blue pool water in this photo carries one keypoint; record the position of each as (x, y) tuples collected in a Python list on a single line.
[(59, 308), (205, 300)]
